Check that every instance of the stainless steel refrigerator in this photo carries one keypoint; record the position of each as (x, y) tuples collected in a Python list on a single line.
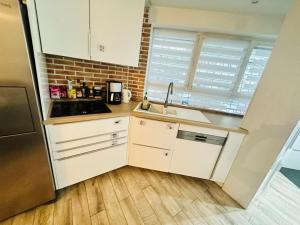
[(25, 173)]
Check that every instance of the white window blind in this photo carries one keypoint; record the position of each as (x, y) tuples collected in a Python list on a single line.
[(223, 78), (170, 59), (217, 72)]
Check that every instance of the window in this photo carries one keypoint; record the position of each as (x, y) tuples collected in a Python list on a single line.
[(208, 71)]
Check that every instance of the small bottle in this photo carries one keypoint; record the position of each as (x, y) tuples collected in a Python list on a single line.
[(91, 92), (145, 103), (71, 90), (85, 90), (78, 92)]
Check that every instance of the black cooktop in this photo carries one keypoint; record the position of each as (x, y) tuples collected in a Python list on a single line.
[(82, 107)]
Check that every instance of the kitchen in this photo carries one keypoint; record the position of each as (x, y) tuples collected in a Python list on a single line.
[(141, 112)]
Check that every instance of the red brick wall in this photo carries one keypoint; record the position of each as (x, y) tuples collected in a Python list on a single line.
[(60, 69)]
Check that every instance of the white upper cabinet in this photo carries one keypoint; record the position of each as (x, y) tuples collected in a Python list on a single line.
[(64, 27), (116, 28)]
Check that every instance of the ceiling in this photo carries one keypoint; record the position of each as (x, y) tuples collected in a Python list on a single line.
[(263, 7)]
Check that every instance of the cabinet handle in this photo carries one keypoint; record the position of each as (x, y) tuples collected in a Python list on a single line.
[(166, 154), (117, 121), (114, 135), (170, 126), (101, 48), (142, 123)]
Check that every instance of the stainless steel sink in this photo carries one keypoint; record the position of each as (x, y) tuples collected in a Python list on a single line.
[(174, 112)]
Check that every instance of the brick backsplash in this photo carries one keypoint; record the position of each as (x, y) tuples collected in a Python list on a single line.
[(60, 68)]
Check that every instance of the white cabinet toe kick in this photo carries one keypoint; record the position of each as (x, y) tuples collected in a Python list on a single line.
[(83, 150)]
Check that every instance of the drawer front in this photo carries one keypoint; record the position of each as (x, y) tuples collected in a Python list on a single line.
[(153, 133), (194, 159), (203, 130), (83, 149), (79, 130), (75, 143), (150, 158), (76, 169)]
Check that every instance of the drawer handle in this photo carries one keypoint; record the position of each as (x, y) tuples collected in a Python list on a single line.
[(87, 145), (170, 126), (117, 121), (114, 142), (77, 139), (166, 154), (86, 153), (142, 122), (114, 135)]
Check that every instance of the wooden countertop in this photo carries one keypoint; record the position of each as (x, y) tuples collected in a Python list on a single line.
[(218, 120)]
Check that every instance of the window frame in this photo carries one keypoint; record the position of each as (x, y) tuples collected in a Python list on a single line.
[(191, 74)]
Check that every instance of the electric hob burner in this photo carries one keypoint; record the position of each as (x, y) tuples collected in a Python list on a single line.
[(82, 107)]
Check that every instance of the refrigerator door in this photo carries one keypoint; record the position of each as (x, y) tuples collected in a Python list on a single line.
[(25, 173)]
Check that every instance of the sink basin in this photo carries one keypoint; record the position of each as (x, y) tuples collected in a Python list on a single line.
[(174, 112)]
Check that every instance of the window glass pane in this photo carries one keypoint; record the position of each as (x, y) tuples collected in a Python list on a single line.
[(170, 59)]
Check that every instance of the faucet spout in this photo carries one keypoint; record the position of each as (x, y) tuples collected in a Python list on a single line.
[(170, 91)]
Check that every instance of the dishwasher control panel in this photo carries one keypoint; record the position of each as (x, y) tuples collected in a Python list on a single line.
[(201, 137)]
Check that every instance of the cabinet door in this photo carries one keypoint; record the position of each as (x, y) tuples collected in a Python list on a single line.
[(116, 28), (194, 159), (150, 158), (153, 133), (64, 27)]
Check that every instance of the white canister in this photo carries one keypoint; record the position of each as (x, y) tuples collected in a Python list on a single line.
[(126, 95)]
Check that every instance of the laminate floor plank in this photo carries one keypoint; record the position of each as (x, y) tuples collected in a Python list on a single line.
[(44, 215), (94, 196), (112, 205), (119, 185), (130, 211), (100, 218), (80, 208), (136, 192), (133, 196), (167, 199), (163, 214)]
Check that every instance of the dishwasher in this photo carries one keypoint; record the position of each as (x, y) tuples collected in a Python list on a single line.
[(197, 150)]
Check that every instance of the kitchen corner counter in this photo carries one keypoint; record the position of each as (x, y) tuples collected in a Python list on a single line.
[(116, 111), (218, 120)]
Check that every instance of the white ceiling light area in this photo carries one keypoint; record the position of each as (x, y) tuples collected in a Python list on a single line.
[(256, 7)]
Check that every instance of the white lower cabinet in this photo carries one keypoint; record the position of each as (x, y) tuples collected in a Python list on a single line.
[(74, 169), (150, 158), (83, 150), (194, 159), (153, 133)]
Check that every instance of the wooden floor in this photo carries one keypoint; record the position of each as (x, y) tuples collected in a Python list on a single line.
[(137, 196)]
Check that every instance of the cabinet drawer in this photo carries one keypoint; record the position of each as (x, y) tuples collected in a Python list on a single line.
[(150, 158), (80, 130), (194, 158), (93, 147), (73, 170), (85, 141), (153, 133)]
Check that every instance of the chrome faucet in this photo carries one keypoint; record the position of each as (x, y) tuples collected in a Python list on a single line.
[(170, 91)]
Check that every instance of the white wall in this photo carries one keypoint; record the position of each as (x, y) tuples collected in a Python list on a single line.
[(272, 114), (213, 21)]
